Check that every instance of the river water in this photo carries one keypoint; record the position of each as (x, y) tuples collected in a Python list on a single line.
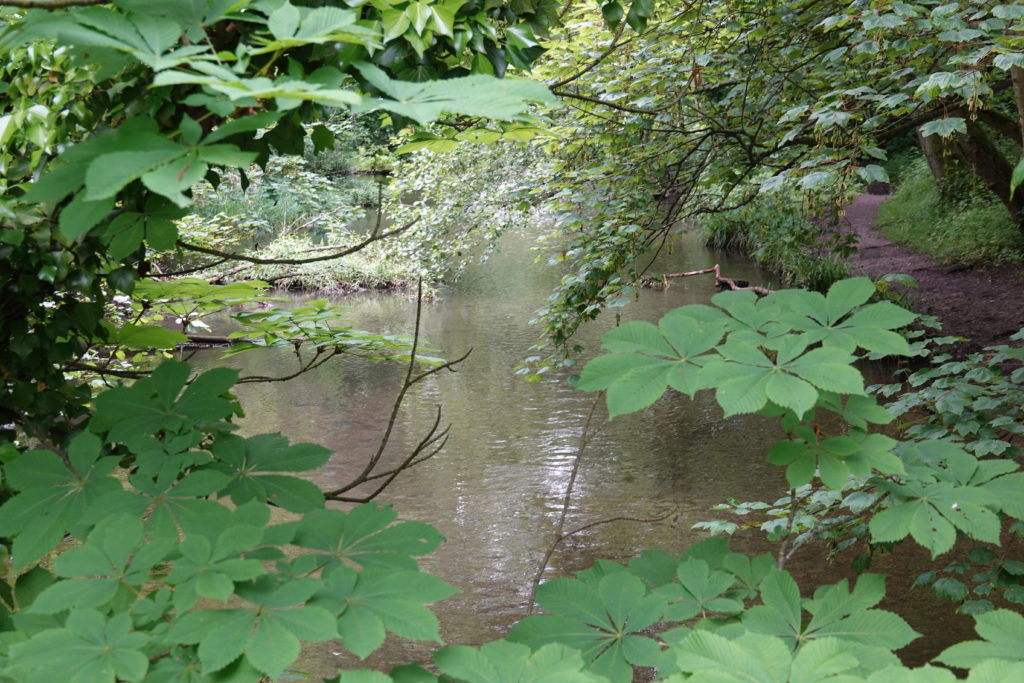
[(496, 490)]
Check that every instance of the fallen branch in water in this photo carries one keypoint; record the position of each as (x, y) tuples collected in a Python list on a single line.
[(720, 280)]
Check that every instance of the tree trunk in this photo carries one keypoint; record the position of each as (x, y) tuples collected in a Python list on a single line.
[(1017, 78), (990, 165), (935, 150)]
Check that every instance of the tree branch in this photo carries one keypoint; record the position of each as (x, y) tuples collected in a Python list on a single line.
[(376, 237), (432, 436)]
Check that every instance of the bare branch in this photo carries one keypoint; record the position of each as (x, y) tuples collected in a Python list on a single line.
[(87, 367), (431, 437), (376, 237), (620, 107), (585, 437)]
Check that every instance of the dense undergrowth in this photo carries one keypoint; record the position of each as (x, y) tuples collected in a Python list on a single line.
[(778, 232), (969, 227), (299, 207)]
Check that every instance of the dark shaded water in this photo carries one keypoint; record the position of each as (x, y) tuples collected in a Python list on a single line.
[(496, 490)]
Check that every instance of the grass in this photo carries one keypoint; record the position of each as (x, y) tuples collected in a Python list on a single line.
[(972, 229), (775, 231)]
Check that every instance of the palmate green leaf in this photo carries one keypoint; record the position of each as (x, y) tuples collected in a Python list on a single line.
[(145, 337), (112, 555), (780, 613), (267, 637), (1003, 634), (703, 588), (996, 671), (944, 126), (172, 179), (211, 562), (82, 215), (152, 404), (822, 659), (751, 657), (505, 662), (288, 92), (109, 173), (790, 392), (689, 334), (638, 388), (901, 674), (830, 370), (321, 25), (53, 499), (477, 95), (936, 513), (637, 337), (1009, 491), (837, 612), (375, 600), (824, 319), (90, 649), (600, 619), (603, 371), (248, 460), (367, 536)]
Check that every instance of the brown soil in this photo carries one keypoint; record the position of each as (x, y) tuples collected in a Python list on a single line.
[(985, 305)]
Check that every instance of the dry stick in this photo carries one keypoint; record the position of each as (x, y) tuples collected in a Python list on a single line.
[(407, 384), (721, 280), (585, 437), (790, 524), (599, 522), (432, 437)]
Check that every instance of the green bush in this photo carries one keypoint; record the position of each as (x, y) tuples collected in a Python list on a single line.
[(971, 228), (776, 231)]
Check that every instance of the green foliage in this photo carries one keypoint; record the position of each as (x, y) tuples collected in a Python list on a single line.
[(192, 584), (792, 351), (778, 232), (162, 98), (966, 227), (714, 104), (974, 402), (460, 199), (756, 359), (126, 562), (124, 557)]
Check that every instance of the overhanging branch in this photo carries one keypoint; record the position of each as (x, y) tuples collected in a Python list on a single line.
[(376, 237)]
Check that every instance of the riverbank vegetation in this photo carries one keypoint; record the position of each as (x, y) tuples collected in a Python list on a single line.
[(963, 227), (142, 139), (788, 234)]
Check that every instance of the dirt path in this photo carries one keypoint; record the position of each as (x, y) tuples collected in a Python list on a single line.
[(985, 305)]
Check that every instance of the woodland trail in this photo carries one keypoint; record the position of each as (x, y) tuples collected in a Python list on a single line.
[(985, 305)]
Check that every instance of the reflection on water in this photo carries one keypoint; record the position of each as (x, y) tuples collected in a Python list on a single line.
[(496, 490)]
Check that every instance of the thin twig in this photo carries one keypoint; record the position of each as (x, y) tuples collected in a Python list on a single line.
[(585, 437), (432, 435), (789, 529)]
